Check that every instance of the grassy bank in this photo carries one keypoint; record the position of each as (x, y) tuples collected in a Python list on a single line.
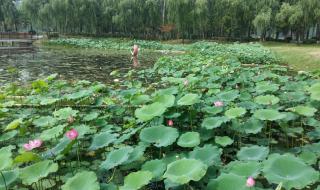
[(299, 57)]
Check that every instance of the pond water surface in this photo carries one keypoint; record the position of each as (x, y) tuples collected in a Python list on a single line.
[(70, 64)]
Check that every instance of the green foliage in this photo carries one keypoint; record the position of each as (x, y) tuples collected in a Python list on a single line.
[(129, 145)]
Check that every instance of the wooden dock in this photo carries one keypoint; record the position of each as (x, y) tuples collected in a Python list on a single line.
[(16, 41)]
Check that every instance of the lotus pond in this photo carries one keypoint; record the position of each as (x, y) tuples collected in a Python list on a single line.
[(213, 118)]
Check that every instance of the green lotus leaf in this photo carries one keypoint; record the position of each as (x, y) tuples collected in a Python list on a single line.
[(267, 100), (167, 100), (185, 170), (289, 170), (213, 122), (228, 182), (136, 180), (156, 167), (235, 112), (26, 157), (79, 94), (102, 139), (10, 177), (253, 126), (48, 101), (64, 145), (84, 130), (308, 157), (315, 91), (91, 116), (13, 125), (84, 180), (253, 153), (213, 110), (188, 100), (65, 113), (52, 133), (208, 154), (35, 172), (189, 139), (223, 141), (5, 155), (45, 121), (268, 114), (116, 157), (137, 153), (160, 136), (245, 169), (266, 86), (304, 110), (228, 96), (148, 112), (7, 136), (140, 99)]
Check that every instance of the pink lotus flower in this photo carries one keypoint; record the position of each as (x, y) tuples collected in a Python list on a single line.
[(72, 134), (218, 104), (32, 144), (250, 182), (170, 122), (186, 82)]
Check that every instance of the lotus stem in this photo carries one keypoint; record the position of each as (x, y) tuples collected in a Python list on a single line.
[(4, 180), (78, 155)]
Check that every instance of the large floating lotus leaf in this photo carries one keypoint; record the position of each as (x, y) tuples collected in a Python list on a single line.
[(189, 139), (253, 153), (65, 113), (91, 116), (8, 135), (140, 99), (79, 94), (166, 100), (156, 167), (63, 145), (13, 125), (136, 180), (213, 110), (5, 157), (267, 100), (223, 141), (137, 153), (35, 172), (185, 170), (228, 96), (266, 86), (103, 139), (289, 170), (228, 182), (268, 114), (84, 180), (116, 158), (52, 133), (10, 177), (304, 110), (26, 157), (45, 121), (208, 154), (235, 112), (48, 101), (188, 99), (308, 157), (160, 136), (315, 91), (148, 112), (245, 169), (213, 122)]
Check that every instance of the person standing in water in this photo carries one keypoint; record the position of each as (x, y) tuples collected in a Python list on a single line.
[(134, 53)]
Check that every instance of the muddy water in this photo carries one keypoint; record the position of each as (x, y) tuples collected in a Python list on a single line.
[(70, 64)]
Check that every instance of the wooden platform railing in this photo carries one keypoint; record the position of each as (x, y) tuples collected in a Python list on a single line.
[(15, 35)]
